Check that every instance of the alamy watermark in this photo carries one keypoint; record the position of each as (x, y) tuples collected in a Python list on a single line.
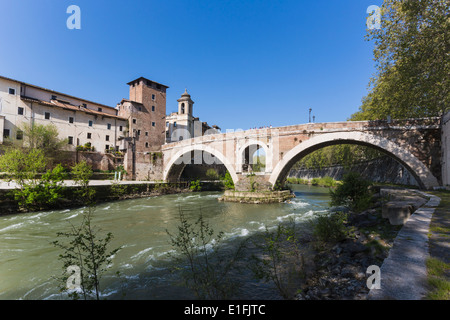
[(74, 280), (74, 20), (374, 19), (374, 280)]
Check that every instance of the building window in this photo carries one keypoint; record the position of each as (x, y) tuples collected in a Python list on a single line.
[(146, 144), (70, 119), (174, 124), (182, 108), (108, 126), (19, 135), (120, 128), (146, 133), (84, 105), (139, 132), (153, 97), (47, 115), (100, 109), (54, 97), (70, 140), (6, 133), (90, 123), (107, 138), (139, 108), (153, 124), (134, 121), (12, 91), (20, 111), (153, 108), (89, 135), (107, 147)]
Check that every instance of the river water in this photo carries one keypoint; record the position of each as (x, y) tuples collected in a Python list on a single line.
[(29, 261)]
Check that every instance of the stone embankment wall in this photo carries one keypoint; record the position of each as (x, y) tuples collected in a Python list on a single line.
[(384, 169)]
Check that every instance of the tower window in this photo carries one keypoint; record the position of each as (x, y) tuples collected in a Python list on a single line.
[(153, 124), (108, 126), (182, 108), (146, 144), (91, 123), (12, 91), (153, 108), (47, 115), (153, 97), (20, 111), (120, 128), (70, 119), (107, 138), (70, 140), (89, 135), (134, 121), (146, 133)]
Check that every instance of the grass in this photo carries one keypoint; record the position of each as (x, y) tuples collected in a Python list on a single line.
[(437, 279), (320, 182), (438, 264)]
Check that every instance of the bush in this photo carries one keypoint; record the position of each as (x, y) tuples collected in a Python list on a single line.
[(354, 193), (195, 185), (211, 174), (228, 181), (331, 227)]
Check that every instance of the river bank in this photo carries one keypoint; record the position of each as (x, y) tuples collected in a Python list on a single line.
[(339, 269), (105, 191)]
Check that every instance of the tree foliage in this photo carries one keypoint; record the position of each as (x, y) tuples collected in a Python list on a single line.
[(43, 137), (412, 55), (33, 192), (344, 154)]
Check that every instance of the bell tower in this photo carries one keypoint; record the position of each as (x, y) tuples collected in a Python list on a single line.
[(185, 105)]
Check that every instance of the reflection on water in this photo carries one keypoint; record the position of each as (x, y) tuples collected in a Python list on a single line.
[(29, 262)]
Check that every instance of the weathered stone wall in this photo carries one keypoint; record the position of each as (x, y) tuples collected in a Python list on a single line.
[(384, 169)]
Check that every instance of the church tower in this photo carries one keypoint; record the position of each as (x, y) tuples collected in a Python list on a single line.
[(185, 105)]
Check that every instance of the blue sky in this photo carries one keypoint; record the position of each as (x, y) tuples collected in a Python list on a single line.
[(245, 63)]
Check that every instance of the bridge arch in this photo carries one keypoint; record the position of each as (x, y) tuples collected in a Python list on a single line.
[(246, 147), (169, 168), (422, 174)]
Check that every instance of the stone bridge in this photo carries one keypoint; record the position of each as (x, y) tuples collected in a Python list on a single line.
[(415, 143)]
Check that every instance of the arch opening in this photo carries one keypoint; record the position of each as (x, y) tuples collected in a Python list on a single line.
[(253, 159), (198, 163), (417, 169)]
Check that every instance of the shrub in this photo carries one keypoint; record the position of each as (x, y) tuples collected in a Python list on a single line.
[(354, 192), (330, 227), (195, 185), (211, 174), (209, 270), (228, 181)]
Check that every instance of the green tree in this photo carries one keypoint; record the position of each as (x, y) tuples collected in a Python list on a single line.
[(24, 167), (412, 61)]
